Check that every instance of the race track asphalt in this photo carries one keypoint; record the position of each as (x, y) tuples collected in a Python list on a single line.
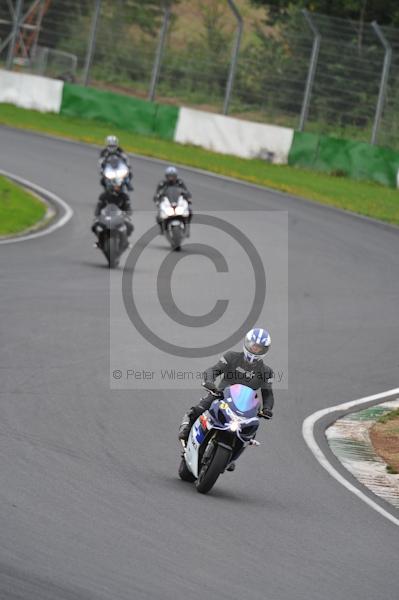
[(90, 503)]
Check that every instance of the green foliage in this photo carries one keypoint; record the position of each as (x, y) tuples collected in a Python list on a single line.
[(385, 12), (273, 61), (129, 30), (273, 69), (201, 69), (390, 416)]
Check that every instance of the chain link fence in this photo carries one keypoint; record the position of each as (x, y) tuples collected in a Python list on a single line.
[(311, 72)]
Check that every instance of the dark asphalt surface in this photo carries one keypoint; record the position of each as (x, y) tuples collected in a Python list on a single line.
[(90, 504)]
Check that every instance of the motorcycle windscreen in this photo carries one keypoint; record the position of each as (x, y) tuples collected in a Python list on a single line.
[(173, 194), (111, 210), (244, 399)]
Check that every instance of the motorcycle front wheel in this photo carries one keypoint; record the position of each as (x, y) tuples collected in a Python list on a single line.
[(111, 251), (211, 470), (175, 236)]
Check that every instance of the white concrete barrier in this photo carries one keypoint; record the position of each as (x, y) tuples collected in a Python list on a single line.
[(233, 136), (31, 91)]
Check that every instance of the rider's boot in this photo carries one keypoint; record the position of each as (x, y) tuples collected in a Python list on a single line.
[(231, 466), (185, 426)]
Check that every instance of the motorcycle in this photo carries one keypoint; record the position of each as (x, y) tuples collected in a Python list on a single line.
[(111, 231), (173, 216), (115, 171), (219, 436)]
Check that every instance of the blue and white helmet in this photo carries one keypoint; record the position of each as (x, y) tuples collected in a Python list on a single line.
[(256, 344)]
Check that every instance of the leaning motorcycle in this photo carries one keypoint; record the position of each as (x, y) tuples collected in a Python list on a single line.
[(219, 436), (173, 216), (111, 231)]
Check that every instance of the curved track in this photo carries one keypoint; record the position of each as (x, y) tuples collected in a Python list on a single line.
[(90, 506)]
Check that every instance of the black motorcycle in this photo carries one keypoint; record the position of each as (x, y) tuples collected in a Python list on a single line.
[(111, 231)]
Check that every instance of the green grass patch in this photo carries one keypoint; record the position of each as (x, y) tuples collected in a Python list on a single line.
[(390, 416), (19, 209), (369, 199)]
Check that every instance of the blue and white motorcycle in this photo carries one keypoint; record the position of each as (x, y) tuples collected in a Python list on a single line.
[(220, 435)]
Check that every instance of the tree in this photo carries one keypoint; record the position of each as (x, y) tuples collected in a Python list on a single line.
[(385, 12)]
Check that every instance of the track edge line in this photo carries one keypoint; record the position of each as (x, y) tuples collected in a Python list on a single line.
[(47, 195), (309, 437)]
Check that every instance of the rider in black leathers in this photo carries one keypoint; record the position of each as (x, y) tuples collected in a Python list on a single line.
[(112, 148), (172, 179), (114, 195), (246, 368)]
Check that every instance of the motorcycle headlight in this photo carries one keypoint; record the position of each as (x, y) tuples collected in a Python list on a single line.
[(122, 228), (167, 211)]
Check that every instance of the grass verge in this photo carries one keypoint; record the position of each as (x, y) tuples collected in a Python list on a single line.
[(19, 209), (384, 436), (369, 199)]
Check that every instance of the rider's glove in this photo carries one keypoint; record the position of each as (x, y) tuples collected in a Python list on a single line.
[(266, 413), (211, 387)]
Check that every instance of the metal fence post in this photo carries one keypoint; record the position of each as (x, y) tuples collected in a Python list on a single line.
[(159, 54), (312, 70), (384, 80), (38, 25), (14, 34), (234, 56), (92, 43)]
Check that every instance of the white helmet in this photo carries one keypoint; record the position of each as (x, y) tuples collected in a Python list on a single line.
[(112, 142), (256, 344), (171, 174)]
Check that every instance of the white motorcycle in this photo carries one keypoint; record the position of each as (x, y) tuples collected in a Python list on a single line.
[(174, 215), (116, 172), (220, 435)]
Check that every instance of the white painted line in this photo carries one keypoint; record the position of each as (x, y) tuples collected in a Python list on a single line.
[(308, 434), (68, 212)]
